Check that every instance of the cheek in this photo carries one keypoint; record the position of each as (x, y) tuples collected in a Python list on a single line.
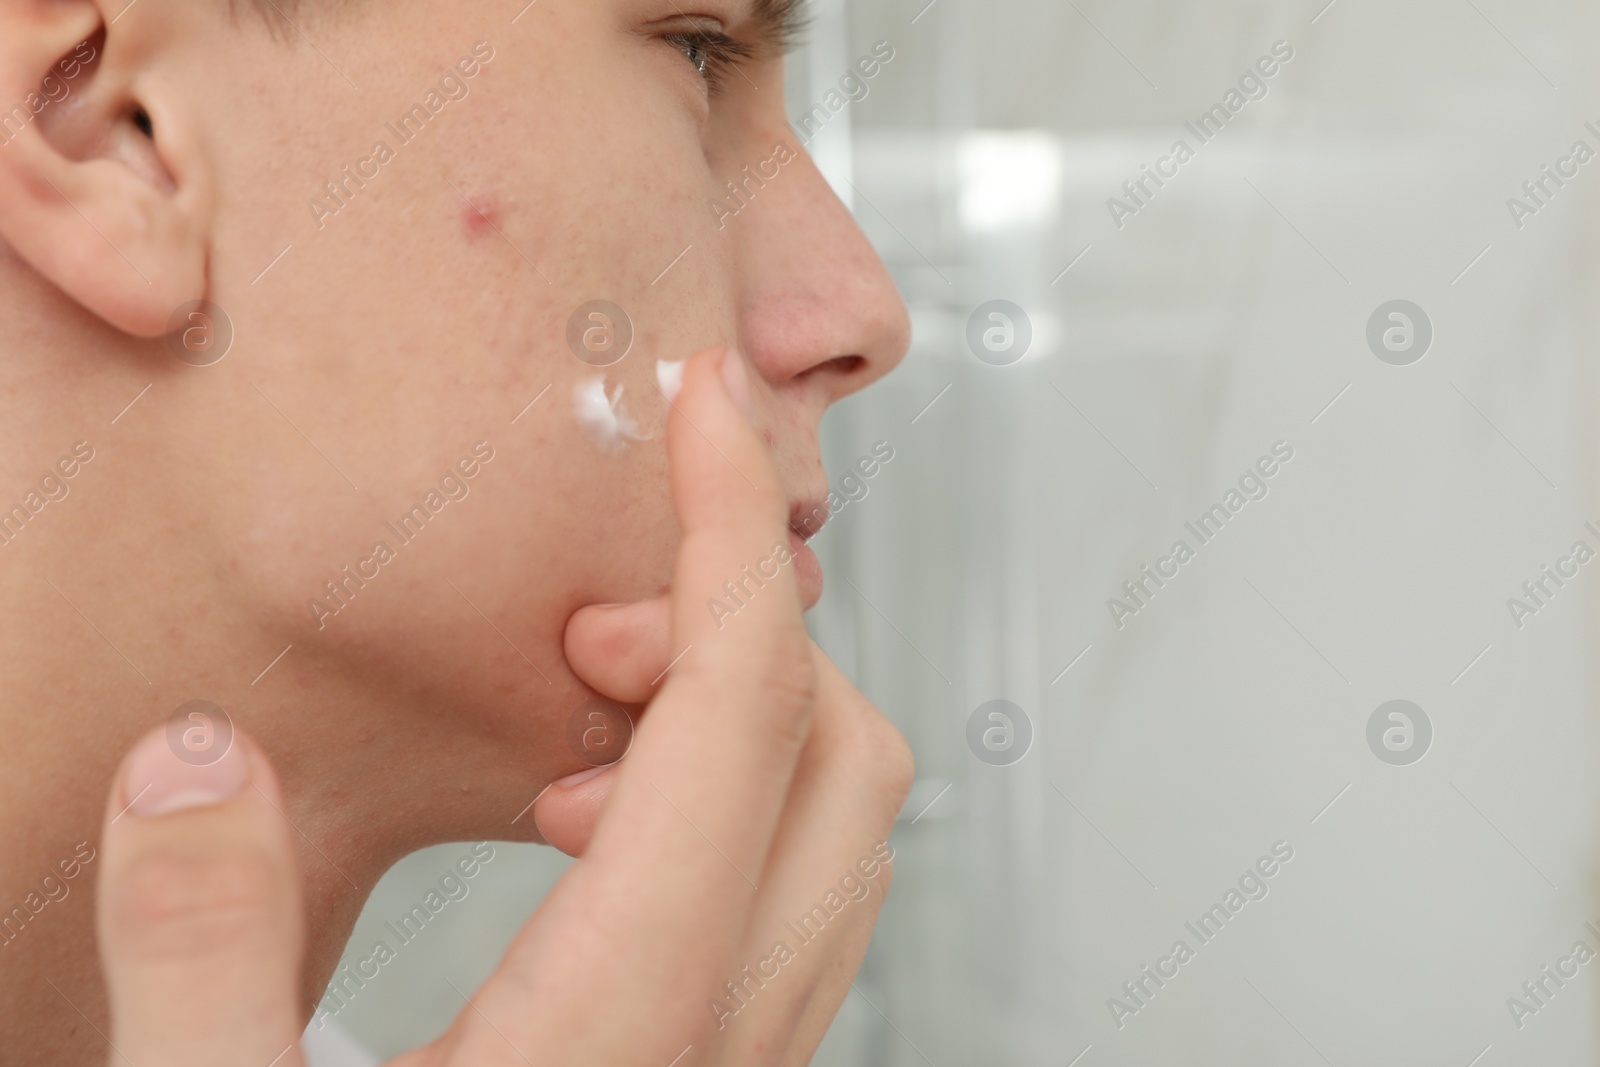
[(423, 317), (624, 536), (580, 523)]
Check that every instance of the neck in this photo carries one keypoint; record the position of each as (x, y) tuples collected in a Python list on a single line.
[(73, 706)]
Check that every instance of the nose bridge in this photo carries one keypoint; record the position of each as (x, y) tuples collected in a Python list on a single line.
[(813, 287)]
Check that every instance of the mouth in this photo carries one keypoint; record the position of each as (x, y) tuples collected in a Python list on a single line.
[(806, 517)]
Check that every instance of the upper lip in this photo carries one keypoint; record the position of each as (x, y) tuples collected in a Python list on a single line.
[(813, 508)]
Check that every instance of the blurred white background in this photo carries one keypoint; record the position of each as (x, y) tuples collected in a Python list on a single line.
[(1227, 314)]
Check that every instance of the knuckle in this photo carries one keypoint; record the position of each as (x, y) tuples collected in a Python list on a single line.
[(891, 756), (788, 678), (885, 877), (876, 756), (177, 902)]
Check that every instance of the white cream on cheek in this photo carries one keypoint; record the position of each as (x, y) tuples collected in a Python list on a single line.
[(669, 376), (602, 417)]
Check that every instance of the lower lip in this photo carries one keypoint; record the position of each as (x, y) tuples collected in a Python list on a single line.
[(807, 571)]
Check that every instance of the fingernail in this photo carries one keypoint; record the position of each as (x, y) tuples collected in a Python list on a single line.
[(582, 776), (737, 381), (157, 782)]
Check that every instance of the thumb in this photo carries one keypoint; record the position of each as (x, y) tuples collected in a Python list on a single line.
[(567, 813), (621, 650), (199, 909)]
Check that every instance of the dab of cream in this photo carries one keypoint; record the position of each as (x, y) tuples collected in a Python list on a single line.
[(669, 375), (602, 417)]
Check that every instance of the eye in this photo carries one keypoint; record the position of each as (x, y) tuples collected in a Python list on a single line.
[(693, 49), (712, 52)]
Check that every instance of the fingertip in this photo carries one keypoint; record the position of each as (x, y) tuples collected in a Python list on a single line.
[(159, 777), (721, 462), (567, 812), (715, 382), (736, 380), (619, 650)]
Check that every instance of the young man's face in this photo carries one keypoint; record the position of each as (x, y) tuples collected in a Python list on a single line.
[(447, 184)]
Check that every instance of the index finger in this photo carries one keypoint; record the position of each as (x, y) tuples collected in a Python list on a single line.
[(727, 727), (667, 881)]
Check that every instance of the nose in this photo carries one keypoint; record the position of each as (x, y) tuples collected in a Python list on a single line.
[(820, 317)]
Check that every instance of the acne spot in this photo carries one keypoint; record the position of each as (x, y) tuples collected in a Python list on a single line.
[(480, 216)]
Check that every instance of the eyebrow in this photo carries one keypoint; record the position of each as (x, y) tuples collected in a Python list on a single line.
[(779, 23)]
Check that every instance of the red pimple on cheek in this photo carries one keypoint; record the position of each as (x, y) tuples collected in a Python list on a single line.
[(480, 216)]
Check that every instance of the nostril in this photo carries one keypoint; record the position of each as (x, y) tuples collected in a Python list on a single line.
[(842, 365)]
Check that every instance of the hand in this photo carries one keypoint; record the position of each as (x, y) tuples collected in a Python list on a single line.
[(757, 793)]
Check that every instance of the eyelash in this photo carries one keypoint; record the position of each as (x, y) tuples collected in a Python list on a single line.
[(713, 53)]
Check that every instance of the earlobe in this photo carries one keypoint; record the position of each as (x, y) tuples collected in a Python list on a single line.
[(103, 187)]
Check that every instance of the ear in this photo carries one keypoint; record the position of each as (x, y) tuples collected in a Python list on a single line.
[(104, 189)]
